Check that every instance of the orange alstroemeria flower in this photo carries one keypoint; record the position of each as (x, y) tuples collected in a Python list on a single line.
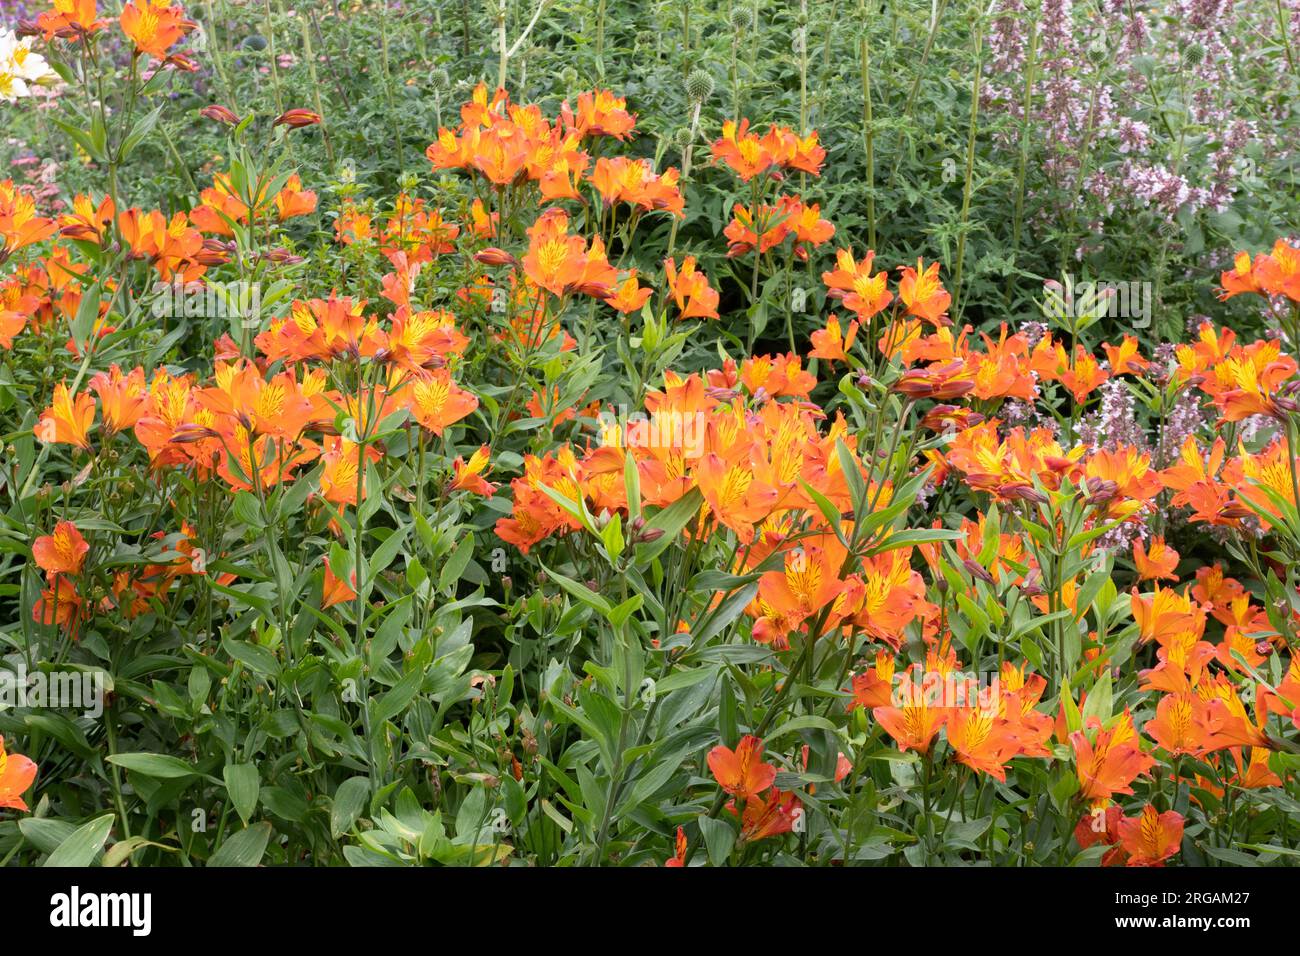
[(1182, 724), (634, 181), (340, 481), (560, 263), (629, 296), (875, 687), (599, 113), (1241, 278), (769, 816), (1152, 837), (862, 291), (1156, 562), (1279, 271), (62, 552), (763, 229), (1084, 375), (469, 475), (59, 604), (915, 723), (982, 741), (70, 18), (742, 772), (335, 590), (809, 582), (1233, 725), (1250, 381), (418, 340), (19, 224), (831, 343), (68, 419), (691, 291), (1165, 612), (1125, 358), (1109, 764), (923, 293), (121, 397), (17, 773), (87, 222), (154, 26), (733, 494), (277, 407), (173, 245), (437, 402), (746, 153)]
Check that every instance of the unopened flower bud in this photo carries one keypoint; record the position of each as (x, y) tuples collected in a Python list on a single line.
[(699, 85), (976, 570), (297, 118), (220, 114)]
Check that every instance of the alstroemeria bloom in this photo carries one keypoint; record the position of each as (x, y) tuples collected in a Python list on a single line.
[(1152, 837), (17, 774), (1109, 764), (923, 293), (154, 26), (62, 552), (68, 419), (691, 291), (742, 772)]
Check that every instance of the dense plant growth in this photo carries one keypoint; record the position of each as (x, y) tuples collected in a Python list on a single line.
[(808, 433)]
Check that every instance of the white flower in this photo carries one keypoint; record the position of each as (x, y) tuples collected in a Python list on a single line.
[(20, 67), (12, 88)]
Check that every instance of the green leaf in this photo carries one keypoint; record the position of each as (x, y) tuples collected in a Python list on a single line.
[(455, 566), (580, 591), (256, 658), (806, 722), (158, 766), (243, 782), (83, 844), (670, 521), (1099, 700), (244, 848), (396, 700), (719, 838), (349, 801)]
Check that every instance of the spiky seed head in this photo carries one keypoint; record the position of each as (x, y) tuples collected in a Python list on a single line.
[(699, 85)]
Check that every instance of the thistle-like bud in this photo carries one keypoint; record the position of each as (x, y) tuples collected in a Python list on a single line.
[(440, 80), (1194, 55), (742, 19), (699, 85), (682, 138)]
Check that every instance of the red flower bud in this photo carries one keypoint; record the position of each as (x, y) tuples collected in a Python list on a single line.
[(297, 119)]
